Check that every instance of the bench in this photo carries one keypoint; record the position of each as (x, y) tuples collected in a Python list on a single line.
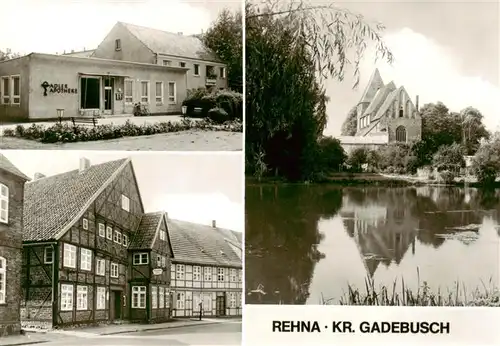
[(84, 120)]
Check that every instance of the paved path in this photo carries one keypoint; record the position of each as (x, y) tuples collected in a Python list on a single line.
[(192, 140), (212, 332)]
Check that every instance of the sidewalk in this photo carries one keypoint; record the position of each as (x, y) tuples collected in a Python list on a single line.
[(40, 337)]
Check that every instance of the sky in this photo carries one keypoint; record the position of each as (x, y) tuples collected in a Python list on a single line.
[(55, 26), (192, 187), (444, 51)]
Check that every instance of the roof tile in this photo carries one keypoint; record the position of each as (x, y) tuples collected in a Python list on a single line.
[(8, 166), (51, 203), (145, 234)]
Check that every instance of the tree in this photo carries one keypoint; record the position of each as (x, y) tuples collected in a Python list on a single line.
[(486, 162), (357, 158), (449, 157), (7, 55), (331, 155), (473, 129), (290, 49), (350, 125), (225, 38)]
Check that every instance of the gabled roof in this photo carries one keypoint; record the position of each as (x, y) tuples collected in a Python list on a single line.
[(147, 231), (8, 166), (53, 204), (200, 244), (379, 98), (163, 42), (375, 83)]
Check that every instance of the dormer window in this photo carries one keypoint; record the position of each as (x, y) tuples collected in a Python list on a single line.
[(118, 44), (4, 203)]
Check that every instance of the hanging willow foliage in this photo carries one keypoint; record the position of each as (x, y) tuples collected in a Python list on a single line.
[(291, 48)]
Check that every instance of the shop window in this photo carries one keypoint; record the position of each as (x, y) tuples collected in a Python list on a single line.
[(90, 93), (129, 87), (5, 90), (145, 91), (171, 92), (16, 90), (159, 93)]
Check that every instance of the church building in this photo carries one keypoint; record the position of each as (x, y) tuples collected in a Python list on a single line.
[(388, 112)]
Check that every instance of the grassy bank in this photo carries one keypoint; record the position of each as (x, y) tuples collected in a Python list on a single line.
[(362, 179), (400, 295)]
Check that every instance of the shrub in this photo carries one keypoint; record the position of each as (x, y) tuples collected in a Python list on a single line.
[(231, 102), (218, 115), (447, 176), (69, 133)]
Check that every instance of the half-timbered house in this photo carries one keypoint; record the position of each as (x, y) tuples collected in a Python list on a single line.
[(87, 245), (12, 182), (206, 270)]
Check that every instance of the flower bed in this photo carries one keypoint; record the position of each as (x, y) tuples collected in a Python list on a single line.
[(68, 133)]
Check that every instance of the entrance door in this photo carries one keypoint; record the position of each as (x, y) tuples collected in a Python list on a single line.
[(108, 95), (115, 305), (220, 305)]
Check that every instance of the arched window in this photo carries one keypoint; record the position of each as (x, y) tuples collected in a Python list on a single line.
[(3, 279), (400, 134), (401, 112), (4, 203)]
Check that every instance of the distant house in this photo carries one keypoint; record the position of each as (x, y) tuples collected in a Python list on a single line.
[(12, 182), (206, 269), (131, 65)]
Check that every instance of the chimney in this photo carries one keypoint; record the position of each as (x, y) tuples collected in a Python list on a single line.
[(84, 164), (38, 176), (416, 103), (214, 224)]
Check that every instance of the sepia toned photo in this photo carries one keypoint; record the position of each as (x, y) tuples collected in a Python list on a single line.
[(108, 248), (142, 75), (372, 153)]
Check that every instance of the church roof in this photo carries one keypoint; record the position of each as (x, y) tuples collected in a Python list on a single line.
[(373, 85)]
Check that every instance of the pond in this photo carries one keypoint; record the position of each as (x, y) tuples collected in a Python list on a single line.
[(305, 244)]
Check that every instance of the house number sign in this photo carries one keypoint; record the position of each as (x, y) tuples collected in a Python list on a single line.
[(57, 89), (157, 271)]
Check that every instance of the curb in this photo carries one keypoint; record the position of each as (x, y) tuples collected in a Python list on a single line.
[(160, 328)]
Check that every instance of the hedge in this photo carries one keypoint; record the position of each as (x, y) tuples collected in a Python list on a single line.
[(66, 132)]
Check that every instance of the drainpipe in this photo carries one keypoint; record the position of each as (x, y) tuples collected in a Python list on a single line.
[(55, 283)]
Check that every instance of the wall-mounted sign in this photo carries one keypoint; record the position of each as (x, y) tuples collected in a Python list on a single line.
[(119, 96), (57, 89), (157, 271)]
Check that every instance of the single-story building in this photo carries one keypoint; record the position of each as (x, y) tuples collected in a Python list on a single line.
[(34, 86)]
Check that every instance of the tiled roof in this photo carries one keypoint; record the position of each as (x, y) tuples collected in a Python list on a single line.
[(6, 165), (51, 203), (373, 84), (195, 243), (163, 42), (145, 234)]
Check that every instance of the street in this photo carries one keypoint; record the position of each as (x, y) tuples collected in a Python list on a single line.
[(222, 333)]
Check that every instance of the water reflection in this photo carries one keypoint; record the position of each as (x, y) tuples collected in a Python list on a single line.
[(306, 242)]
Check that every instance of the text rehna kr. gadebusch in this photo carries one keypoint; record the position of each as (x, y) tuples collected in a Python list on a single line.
[(383, 327)]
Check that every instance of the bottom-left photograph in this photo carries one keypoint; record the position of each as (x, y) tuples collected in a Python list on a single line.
[(121, 247)]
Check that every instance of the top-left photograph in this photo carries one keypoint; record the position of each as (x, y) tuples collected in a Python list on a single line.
[(102, 75)]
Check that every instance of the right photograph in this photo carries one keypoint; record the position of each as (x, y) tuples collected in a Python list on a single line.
[(372, 153)]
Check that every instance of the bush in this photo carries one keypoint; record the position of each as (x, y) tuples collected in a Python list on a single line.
[(231, 102), (447, 176), (218, 115), (69, 133)]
